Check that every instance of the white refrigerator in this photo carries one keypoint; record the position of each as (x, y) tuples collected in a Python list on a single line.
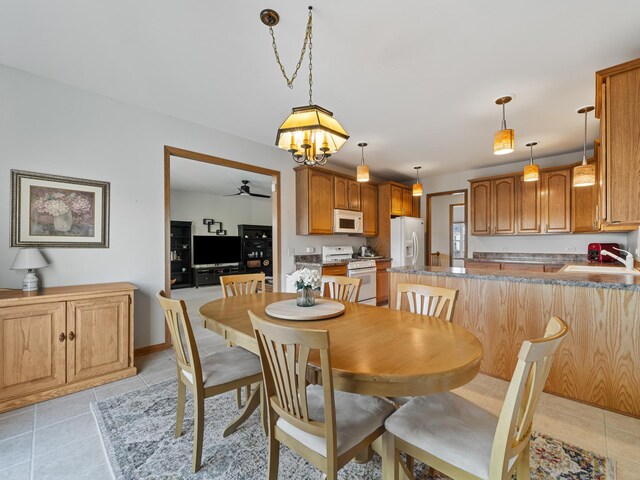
[(407, 241)]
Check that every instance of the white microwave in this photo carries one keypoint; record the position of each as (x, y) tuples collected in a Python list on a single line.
[(347, 221)]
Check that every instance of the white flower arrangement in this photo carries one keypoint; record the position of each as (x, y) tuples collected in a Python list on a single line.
[(307, 278)]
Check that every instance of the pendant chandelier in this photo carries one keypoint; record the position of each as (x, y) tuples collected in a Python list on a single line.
[(417, 187), (362, 171), (310, 133), (503, 140), (531, 171), (584, 175)]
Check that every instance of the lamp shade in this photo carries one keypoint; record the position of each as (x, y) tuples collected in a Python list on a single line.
[(311, 125), (503, 142), (362, 173), (584, 175), (416, 189), (28, 259), (531, 173)]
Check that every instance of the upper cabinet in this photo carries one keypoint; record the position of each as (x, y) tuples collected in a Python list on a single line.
[(396, 200), (493, 206), (585, 203), (369, 196), (556, 200), (528, 206), (402, 201), (346, 193), (618, 108), (481, 208), (314, 201)]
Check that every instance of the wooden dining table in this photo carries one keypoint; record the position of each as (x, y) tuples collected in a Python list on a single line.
[(374, 350)]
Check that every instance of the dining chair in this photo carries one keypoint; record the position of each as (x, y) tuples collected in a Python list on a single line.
[(326, 427), (435, 259), (462, 440), (216, 373), (341, 288), (243, 284), (427, 300)]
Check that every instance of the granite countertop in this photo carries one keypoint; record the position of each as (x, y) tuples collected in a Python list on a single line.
[(318, 263), (593, 280), (534, 258)]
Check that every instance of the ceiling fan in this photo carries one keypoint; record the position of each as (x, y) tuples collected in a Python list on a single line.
[(245, 189)]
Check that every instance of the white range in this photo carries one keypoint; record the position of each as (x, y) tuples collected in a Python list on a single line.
[(362, 269)]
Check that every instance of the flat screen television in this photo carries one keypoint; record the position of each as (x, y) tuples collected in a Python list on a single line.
[(215, 250)]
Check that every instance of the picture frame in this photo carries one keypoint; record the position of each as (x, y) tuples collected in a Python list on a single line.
[(52, 211)]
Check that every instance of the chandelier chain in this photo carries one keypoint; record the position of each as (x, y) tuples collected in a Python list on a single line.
[(307, 40)]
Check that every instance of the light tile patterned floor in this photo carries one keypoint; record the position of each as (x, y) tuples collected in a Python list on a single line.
[(35, 441)]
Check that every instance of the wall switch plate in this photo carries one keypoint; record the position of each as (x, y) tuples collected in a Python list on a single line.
[(571, 249), (311, 249)]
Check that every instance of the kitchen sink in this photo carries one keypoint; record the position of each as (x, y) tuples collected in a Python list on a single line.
[(600, 270)]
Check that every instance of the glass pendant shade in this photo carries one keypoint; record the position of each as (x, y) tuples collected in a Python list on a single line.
[(313, 131), (531, 173), (417, 189), (362, 173), (503, 141), (584, 175)]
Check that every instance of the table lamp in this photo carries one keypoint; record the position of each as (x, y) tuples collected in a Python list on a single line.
[(29, 259)]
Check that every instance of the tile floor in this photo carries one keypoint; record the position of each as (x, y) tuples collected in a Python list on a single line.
[(58, 439)]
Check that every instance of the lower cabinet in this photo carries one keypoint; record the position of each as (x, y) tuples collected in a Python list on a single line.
[(63, 340), (382, 282)]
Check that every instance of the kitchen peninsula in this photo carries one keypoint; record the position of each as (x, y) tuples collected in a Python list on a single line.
[(598, 363)]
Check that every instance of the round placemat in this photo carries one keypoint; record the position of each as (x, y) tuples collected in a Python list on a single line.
[(288, 310)]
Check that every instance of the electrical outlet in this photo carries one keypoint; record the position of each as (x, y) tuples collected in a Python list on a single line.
[(504, 249), (571, 249), (311, 249), (291, 252)]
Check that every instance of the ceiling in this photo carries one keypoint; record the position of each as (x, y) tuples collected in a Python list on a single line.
[(194, 176), (414, 79)]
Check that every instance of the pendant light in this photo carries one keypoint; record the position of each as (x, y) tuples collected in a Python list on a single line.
[(362, 172), (417, 187), (503, 140), (531, 171), (310, 133), (584, 175)]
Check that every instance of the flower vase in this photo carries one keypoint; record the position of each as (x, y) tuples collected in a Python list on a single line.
[(306, 297), (62, 223)]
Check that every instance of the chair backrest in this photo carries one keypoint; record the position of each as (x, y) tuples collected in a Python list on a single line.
[(184, 342), (341, 288), (435, 259), (428, 300), (532, 369), (284, 355), (245, 284)]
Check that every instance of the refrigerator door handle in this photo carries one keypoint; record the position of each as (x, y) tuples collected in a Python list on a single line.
[(415, 248)]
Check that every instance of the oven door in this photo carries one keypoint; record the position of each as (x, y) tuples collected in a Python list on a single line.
[(368, 285)]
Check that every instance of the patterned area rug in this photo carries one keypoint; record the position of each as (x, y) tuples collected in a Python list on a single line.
[(137, 429)]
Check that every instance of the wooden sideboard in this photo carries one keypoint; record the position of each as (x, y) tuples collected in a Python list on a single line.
[(63, 339)]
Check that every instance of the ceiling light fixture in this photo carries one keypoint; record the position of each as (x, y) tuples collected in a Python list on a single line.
[(362, 172), (584, 175), (310, 133), (503, 140), (531, 171), (417, 187)]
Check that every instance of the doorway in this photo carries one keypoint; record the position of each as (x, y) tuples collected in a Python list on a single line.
[(262, 184), (447, 236)]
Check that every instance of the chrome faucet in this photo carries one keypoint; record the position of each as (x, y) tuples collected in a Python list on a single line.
[(628, 261)]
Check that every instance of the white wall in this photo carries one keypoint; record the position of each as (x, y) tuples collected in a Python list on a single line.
[(521, 244), (231, 211), (54, 128), (440, 234)]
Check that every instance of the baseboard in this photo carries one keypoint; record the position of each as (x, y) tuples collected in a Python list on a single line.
[(150, 349)]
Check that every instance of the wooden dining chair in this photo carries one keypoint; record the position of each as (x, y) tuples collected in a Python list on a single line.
[(462, 440), (214, 374), (427, 300), (326, 427), (341, 288), (243, 284)]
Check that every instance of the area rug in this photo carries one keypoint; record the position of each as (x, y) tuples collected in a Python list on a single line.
[(137, 429)]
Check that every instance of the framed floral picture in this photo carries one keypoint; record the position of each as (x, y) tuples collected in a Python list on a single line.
[(54, 211)]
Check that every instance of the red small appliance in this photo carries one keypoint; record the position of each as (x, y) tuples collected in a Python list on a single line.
[(594, 252)]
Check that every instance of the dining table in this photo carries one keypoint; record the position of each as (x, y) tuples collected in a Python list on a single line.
[(373, 350)]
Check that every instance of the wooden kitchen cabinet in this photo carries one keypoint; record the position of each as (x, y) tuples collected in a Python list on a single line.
[(64, 339), (369, 196), (556, 201), (314, 201), (407, 203), (382, 282), (585, 206), (503, 194), (353, 188), (335, 270), (618, 108), (396, 200), (480, 215), (528, 209), (340, 193)]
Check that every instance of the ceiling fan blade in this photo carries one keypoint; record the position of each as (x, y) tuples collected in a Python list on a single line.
[(260, 195), (232, 195)]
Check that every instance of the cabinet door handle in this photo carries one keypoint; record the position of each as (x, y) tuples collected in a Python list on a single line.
[(71, 335), (62, 337)]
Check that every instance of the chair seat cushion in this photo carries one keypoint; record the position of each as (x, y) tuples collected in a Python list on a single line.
[(227, 366), (448, 427), (356, 417)]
